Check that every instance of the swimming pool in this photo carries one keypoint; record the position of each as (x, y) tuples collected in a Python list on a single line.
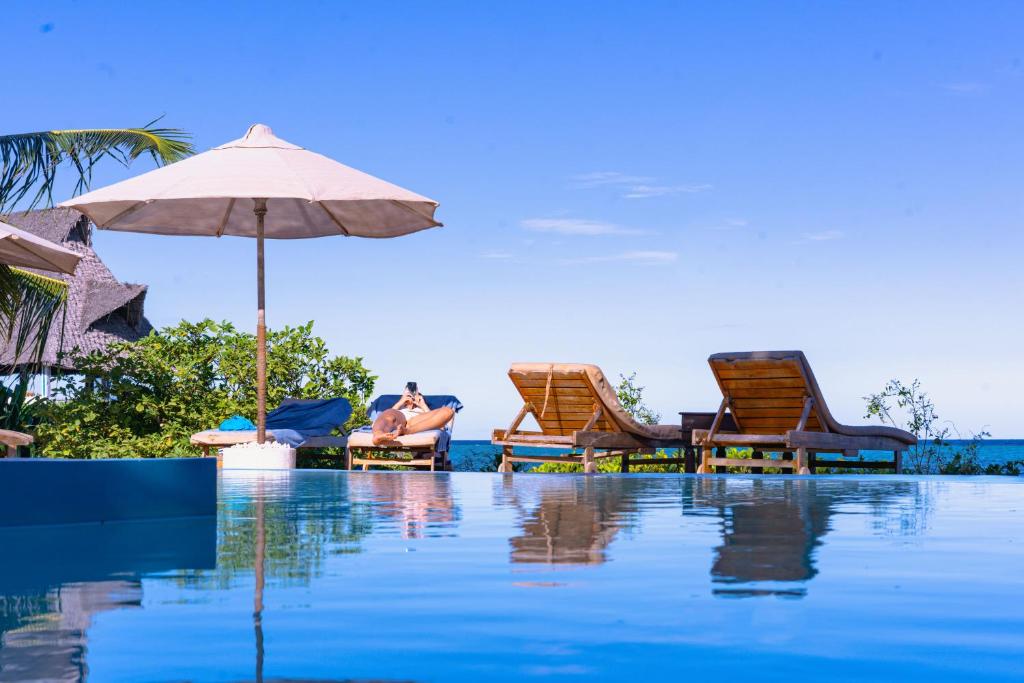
[(438, 577)]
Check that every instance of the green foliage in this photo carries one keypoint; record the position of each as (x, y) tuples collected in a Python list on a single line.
[(631, 396), (30, 305), (30, 160), (933, 452), (145, 398)]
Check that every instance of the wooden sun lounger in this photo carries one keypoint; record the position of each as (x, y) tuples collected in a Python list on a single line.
[(578, 412), (418, 450), (776, 406)]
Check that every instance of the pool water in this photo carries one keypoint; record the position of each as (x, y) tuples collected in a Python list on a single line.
[(317, 575)]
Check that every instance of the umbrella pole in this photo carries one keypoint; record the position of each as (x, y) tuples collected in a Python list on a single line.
[(261, 328)]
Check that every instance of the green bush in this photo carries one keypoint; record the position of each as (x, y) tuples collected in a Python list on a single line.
[(145, 398)]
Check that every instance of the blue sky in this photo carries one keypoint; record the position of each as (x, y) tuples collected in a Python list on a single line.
[(636, 185)]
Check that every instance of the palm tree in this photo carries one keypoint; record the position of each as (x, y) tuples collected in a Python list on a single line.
[(31, 160), (31, 304)]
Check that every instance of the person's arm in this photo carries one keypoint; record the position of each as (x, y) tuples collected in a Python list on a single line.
[(402, 400), (421, 402)]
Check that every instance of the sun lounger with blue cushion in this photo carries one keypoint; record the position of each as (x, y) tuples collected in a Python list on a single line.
[(297, 422), (424, 449)]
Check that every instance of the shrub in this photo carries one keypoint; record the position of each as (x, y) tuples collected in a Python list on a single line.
[(933, 453), (145, 398)]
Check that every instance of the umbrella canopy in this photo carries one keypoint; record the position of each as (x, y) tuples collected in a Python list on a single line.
[(21, 248), (213, 193), (291, 192)]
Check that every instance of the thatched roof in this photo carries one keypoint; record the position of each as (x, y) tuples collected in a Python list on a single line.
[(101, 309)]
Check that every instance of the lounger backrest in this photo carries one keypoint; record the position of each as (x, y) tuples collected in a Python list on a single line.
[(564, 395), (766, 391)]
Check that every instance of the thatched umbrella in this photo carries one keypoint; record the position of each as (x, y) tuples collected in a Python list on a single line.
[(293, 193)]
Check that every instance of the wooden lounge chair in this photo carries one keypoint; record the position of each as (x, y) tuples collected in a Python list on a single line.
[(776, 406), (577, 411), (421, 450), (12, 440)]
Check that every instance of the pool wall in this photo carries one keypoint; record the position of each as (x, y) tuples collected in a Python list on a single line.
[(48, 491)]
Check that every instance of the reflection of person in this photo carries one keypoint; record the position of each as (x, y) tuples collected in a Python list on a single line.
[(421, 506), (409, 415)]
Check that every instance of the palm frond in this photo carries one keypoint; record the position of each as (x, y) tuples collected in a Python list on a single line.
[(31, 160), (30, 304)]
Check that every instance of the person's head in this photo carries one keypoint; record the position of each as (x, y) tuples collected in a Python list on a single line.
[(411, 388)]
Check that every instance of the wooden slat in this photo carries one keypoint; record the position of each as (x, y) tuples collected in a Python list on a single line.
[(757, 373), (741, 403), (755, 423), (788, 412), (777, 383), (788, 392), (560, 383), (542, 375), (740, 462), (602, 439), (759, 364), (518, 457), (537, 396), (740, 439), (576, 415), (533, 393), (531, 440)]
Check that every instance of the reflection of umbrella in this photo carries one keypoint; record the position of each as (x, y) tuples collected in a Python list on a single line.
[(20, 248), (294, 193)]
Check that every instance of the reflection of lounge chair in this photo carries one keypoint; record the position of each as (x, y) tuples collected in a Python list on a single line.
[(776, 406), (577, 409), (425, 449), (12, 440), (297, 422)]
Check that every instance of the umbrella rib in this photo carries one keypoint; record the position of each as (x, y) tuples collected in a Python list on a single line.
[(43, 257), (341, 226), (131, 209), (224, 220), (433, 223)]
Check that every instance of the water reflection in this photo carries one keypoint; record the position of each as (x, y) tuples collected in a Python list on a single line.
[(770, 529), (55, 579), (568, 520), (417, 507)]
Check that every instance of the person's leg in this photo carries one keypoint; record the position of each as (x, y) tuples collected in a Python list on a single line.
[(424, 422), (389, 425)]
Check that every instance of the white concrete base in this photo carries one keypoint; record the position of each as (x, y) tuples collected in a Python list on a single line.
[(253, 456)]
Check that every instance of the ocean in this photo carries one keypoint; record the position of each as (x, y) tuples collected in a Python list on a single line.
[(475, 456)]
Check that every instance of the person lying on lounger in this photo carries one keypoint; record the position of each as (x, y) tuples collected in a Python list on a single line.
[(410, 415)]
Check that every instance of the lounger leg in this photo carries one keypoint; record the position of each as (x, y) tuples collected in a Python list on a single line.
[(759, 467), (505, 466), (625, 463), (589, 466), (801, 461), (690, 460), (705, 467)]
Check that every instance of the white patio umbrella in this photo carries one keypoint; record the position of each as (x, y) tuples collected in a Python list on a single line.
[(258, 186), (23, 249)]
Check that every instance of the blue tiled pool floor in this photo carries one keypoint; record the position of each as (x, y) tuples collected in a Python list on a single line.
[(439, 577)]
